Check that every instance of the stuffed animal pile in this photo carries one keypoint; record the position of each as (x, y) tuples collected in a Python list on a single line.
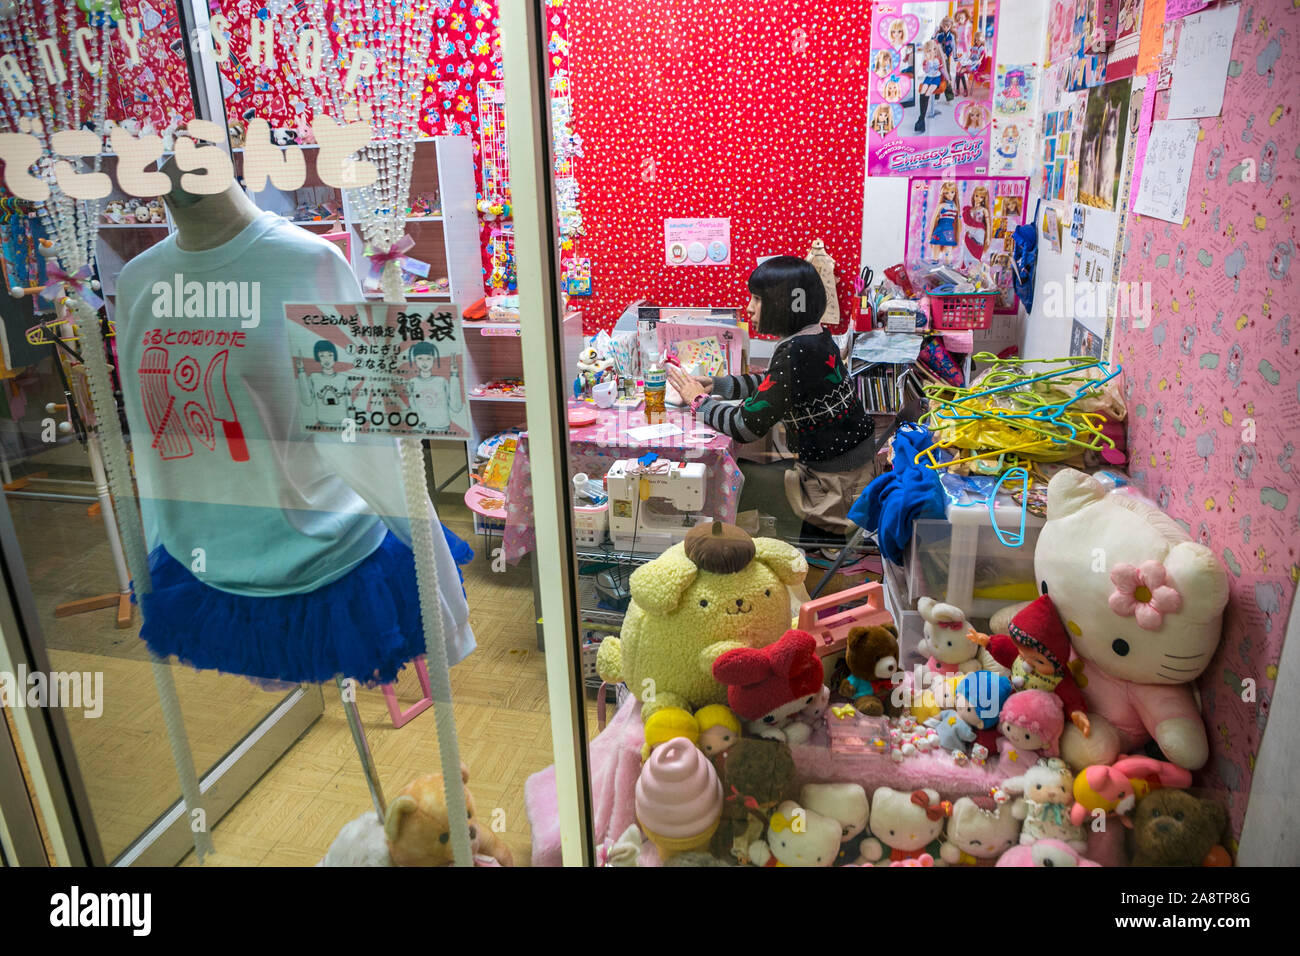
[(1081, 711)]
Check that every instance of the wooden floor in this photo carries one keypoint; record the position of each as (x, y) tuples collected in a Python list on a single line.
[(293, 812)]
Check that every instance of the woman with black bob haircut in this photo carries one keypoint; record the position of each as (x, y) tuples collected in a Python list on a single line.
[(806, 386)]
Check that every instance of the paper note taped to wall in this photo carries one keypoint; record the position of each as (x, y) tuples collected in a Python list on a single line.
[(1167, 170), (1201, 64)]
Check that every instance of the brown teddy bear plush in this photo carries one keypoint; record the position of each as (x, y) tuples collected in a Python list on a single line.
[(872, 659), (419, 833), (1173, 828)]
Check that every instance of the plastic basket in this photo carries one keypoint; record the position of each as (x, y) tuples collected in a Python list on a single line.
[(589, 652), (590, 523), (963, 311)]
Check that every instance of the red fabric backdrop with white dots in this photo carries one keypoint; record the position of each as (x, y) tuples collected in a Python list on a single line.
[(752, 111)]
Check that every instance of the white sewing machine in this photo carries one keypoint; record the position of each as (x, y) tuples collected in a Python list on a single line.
[(660, 514)]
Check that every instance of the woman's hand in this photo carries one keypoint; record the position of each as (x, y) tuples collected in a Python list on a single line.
[(688, 386)]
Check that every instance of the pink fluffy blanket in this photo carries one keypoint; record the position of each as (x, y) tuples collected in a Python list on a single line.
[(615, 765)]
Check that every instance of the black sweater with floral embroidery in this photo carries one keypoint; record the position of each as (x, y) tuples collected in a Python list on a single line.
[(806, 386)]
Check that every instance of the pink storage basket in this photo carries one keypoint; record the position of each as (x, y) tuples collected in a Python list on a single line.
[(965, 311)]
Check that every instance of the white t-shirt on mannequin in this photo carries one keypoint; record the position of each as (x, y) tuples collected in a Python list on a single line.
[(226, 482)]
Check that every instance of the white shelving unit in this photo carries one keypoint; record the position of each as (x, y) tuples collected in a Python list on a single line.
[(492, 350)]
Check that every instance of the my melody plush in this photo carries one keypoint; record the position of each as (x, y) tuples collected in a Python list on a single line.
[(979, 831), (1173, 828), (1030, 727), (1044, 853), (716, 591), (847, 805), (797, 836), (903, 824), (1115, 789), (769, 686), (1037, 651), (973, 718), (871, 656), (417, 826), (1044, 800), (1145, 626)]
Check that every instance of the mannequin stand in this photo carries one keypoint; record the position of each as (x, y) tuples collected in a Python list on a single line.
[(122, 599), (349, 699)]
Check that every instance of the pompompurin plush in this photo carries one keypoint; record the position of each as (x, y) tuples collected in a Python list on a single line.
[(717, 591)]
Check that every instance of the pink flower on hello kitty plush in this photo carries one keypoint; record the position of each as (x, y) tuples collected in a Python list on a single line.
[(1030, 726), (1141, 592), (924, 859)]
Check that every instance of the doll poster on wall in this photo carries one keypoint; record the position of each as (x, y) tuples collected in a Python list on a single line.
[(965, 222), (1013, 119), (1101, 144), (378, 369), (930, 99)]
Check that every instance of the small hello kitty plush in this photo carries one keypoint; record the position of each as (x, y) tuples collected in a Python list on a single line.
[(814, 715), (797, 837), (979, 831), (903, 824), (1030, 727)]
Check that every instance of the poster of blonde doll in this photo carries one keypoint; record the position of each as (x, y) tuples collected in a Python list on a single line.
[(934, 62), (965, 222)]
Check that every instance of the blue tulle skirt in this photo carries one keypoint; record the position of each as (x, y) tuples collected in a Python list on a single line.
[(366, 625)]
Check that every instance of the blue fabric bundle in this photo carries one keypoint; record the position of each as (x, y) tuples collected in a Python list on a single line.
[(897, 498), (366, 625)]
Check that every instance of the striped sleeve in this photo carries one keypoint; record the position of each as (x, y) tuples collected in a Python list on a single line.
[(736, 386), (765, 406), (725, 418)]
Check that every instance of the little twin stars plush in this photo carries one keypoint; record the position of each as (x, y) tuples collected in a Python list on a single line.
[(1037, 650)]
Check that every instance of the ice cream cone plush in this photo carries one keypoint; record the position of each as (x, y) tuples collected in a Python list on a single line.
[(678, 798)]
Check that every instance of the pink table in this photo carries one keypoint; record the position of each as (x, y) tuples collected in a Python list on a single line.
[(593, 448)]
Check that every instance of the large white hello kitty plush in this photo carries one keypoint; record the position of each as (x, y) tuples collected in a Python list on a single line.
[(796, 836), (979, 831), (1143, 605), (903, 824)]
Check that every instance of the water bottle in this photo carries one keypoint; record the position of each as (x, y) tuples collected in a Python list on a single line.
[(656, 384)]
